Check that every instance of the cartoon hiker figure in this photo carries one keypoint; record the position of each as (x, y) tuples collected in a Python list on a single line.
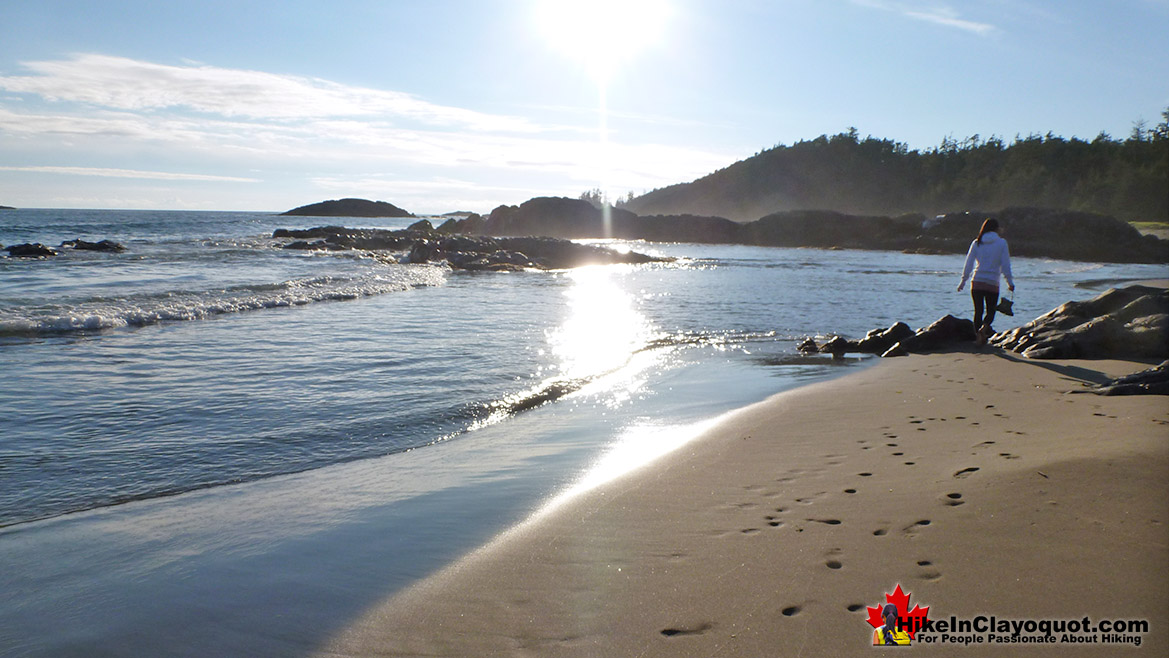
[(889, 634)]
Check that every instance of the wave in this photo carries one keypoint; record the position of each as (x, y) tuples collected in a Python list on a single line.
[(554, 388), (105, 313)]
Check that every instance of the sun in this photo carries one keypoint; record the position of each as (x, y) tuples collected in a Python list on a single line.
[(601, 34)]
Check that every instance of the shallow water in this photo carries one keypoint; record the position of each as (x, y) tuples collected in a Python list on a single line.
[(421, 410)]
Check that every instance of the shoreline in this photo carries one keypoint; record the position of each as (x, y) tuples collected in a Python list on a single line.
[(974, 480)]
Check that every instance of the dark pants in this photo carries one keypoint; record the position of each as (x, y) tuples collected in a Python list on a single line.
[(984, 300)]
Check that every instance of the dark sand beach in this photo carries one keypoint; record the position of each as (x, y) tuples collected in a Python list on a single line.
[(980, 482)]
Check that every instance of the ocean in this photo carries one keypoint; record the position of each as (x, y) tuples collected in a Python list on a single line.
[(216, 446)]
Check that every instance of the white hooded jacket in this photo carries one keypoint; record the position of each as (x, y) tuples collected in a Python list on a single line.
[(988, 260)]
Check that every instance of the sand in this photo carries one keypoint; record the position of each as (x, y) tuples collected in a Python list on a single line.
[(977, 481)]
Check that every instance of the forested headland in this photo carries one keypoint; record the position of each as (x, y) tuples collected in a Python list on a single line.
[(1124, 178)]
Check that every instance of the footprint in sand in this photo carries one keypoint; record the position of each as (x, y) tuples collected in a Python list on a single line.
[(914, 527), (826, 521), (928, 571), (1007, 455), (954, 499), (880, 532), (694, 630), (856, 607), (773, 521), (983, 444), (790, 611), (965, 472)]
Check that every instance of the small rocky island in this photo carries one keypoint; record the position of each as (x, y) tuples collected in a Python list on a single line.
[(349, 208)]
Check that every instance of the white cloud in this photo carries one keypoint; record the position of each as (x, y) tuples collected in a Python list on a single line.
[(307, 132), (949, 18), (936, 14), (125, 84)]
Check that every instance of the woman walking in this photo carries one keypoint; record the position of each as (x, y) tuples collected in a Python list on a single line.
[(989, 259)]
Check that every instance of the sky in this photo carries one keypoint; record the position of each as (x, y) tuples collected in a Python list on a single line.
[(462, 105)]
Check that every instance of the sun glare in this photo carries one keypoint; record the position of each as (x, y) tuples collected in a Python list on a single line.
[(601, 34)]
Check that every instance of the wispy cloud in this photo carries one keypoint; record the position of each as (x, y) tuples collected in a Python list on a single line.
[(237, 123), (131, 173), (120, 83), (943, 15)]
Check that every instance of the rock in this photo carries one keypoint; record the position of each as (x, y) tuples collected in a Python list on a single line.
[(1038, 232), (900, 340), (350, 208), (35, 250), (421, 225), (1154, 381), (878, 341), (808, 346), (104, 245), (1124, 323), (463, 251), (943, 333), (839, 346)]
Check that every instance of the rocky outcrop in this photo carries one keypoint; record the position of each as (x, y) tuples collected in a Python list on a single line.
[(1035, 232), (1124, 323), (349, 208), (899, 339), (1050, 233), (34, 250), (420, 245), (1154, 381), (104, 245)]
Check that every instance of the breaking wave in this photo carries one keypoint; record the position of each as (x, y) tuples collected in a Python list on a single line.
[(140, 310)]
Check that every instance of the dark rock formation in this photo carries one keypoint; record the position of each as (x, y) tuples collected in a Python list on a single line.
[(7, 208), (104, 245), (35, 250), (472, 224), (1050, 233), (879, 341), (1154, 381), (423, 245), (1030, 231), (827, 229), (349, 208), (1125, 323), (945, 333)]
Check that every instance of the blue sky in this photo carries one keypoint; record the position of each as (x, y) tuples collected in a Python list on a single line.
[(444, 105)]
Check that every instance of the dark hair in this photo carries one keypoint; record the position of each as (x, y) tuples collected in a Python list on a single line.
[(991, 224)]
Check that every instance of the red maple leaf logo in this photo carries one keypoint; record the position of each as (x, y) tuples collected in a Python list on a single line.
[(909, 620)]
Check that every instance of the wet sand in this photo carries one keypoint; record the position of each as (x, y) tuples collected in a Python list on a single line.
[(979, 482)]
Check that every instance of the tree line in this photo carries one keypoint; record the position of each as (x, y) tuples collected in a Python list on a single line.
[(1125, 178)]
